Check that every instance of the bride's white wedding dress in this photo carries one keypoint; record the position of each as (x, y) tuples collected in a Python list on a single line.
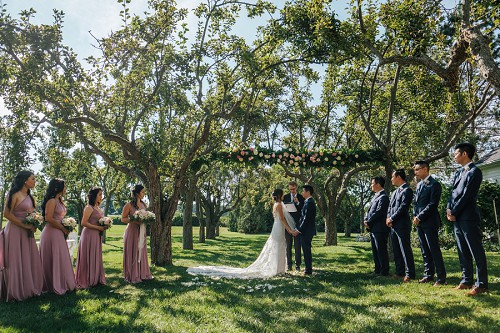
[(271, 261)]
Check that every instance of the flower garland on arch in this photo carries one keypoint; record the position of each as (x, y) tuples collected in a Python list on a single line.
[(323, 158)]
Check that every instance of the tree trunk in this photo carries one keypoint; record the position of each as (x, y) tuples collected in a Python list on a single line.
[(331, 236), (187, 224), (161, 230), (109, 195), (348, 228), (201, 232), (361, 224), (211, 234)]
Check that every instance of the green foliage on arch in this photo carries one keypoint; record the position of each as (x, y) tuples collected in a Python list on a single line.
[(322, 158)]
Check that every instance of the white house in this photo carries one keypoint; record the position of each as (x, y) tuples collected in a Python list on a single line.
[(490, 166)]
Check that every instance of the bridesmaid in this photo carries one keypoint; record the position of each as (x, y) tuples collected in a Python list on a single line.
[(89, 266), (57, 268), (135, 252), (20, 266)]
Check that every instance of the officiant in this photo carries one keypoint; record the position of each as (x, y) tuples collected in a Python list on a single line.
[(293, 203)]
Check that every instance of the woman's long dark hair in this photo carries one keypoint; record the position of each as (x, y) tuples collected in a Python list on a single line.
[(277, 194), (92, 195), (134, 192), (17, 185), (55, 187)]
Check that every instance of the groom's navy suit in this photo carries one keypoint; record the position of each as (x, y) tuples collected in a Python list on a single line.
[(398, 212), (425, 208), (307, 229), (468, 234), (375, 218)]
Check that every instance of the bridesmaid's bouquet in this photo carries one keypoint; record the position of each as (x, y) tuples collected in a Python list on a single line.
[(105, 222), (35, 219), (69, 223), (143, 216)]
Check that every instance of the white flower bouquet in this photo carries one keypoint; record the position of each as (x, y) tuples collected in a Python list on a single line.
[(105, 222), (35, 219), (143, 216), (69, 223)]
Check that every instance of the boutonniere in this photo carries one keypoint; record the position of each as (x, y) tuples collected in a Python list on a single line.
[(467, 168), (426, 182)]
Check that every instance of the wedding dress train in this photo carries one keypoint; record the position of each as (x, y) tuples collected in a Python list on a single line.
[(271, 261)]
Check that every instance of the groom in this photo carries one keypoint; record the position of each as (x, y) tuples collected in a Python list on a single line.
[(307, 226)]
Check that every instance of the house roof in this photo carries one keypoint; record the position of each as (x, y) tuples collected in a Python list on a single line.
[(491, 157)]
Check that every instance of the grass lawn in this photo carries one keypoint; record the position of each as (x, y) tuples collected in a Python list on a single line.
[(339, 297)]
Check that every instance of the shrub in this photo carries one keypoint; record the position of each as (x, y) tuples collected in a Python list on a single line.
[(178, 220)]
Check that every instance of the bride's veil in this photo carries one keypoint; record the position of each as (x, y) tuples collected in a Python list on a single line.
[(289, 219)]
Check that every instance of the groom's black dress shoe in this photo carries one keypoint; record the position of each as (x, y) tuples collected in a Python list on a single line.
[(297, 268), (308, 272)]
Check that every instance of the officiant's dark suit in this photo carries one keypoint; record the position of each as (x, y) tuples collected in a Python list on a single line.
[(462, 205), (398, 215), (292, 241), (427, 220), (379, 232), (307, 226)]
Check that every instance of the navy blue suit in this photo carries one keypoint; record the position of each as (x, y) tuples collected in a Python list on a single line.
[(425, 208), (290, 240), (398, 212), (467, 229), (307, 229), (379, 231)]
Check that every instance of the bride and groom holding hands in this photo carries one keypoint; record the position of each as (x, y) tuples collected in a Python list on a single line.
[(294, 223)]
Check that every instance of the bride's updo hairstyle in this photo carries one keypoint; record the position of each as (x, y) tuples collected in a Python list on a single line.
[(277, 194)]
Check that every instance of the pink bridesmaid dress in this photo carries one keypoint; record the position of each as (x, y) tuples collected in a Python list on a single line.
[(20, 266), (133, 269), (57, 268), (89, 267)]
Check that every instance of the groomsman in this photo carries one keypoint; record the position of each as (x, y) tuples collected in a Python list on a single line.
[(398, 219), (463, 212), (298, 201), (426, 219), (375, 222)]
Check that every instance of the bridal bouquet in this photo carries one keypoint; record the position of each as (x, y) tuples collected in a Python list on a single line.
[(69, 223), (35, 219), (143, 216), (105, 222)]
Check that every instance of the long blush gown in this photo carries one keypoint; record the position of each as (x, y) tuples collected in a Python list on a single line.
[(133, 269), (57, 268), (89, 266), (20, 265)]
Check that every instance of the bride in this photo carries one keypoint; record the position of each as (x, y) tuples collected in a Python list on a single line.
[(272, 259)]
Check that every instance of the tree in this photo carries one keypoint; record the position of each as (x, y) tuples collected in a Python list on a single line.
[(220, 191), (468, 33), (15, 138), (148, 104)]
